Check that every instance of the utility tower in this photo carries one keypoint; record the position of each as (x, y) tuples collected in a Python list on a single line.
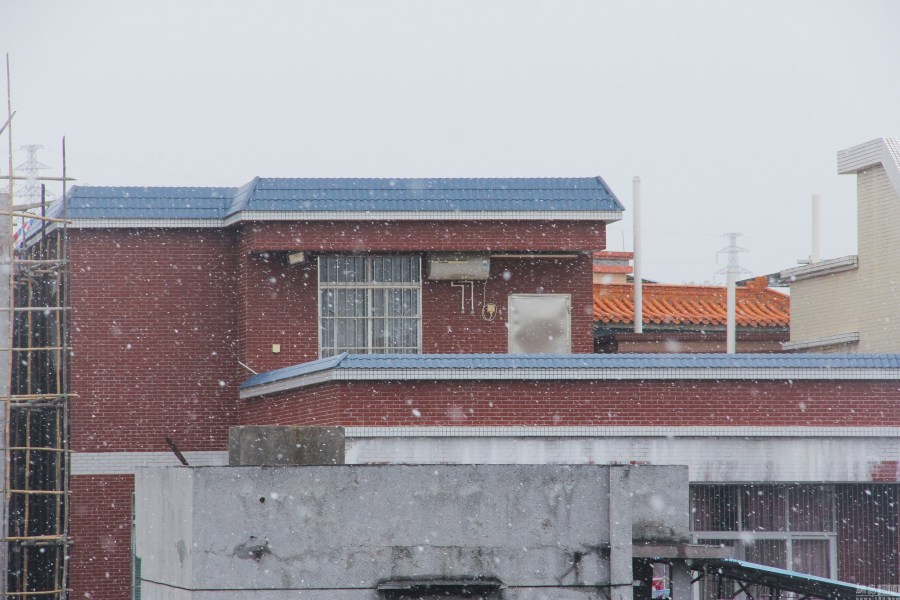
[(29, 191), (731, 270), (732, 251)]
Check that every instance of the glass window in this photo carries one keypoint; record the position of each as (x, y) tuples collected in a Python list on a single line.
[(370, 304)]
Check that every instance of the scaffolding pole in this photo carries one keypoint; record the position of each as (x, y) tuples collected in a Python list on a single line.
[(34, 382)]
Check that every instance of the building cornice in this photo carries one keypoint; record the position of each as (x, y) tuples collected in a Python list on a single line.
[(850, 337), (820, 268), (881, 151)]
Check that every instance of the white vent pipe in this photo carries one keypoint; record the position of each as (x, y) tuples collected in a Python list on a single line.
[(638, 290), (816, 255), (730, 346)]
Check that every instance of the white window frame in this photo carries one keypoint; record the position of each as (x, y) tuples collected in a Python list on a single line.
[(371, 287)]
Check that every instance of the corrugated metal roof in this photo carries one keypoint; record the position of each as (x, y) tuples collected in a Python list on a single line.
[(801, 584), (327, 195), (550, 362)]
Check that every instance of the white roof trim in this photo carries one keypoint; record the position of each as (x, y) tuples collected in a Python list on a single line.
[(850, 337), (597, 215), (145, 223), (823, 267), (588, 431), (426, 215), (883, 151), (598, 374)]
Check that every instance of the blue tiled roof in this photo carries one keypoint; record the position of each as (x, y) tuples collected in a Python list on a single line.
[(306, 368), (148, 202), (550, 362), (328, 195), (581, 194)]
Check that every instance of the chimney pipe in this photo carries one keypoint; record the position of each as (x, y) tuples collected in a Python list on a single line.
[(816, 255), (638, 290), (730, 310)]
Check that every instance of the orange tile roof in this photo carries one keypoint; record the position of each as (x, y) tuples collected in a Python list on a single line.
[(755, 306)]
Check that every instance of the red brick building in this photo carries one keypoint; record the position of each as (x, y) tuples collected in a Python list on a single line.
[(439, 321)]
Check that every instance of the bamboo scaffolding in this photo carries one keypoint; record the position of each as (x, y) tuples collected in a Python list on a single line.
[(36, 443)]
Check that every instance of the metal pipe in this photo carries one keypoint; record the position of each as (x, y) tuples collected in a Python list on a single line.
[(816, 255), (638, 289), (730, 309)]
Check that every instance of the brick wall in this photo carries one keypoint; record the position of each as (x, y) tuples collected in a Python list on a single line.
[(161, 317), (367, 236), (100, 505), (573, 403), (446, 331), (280, 307), (316, 405), (154, 337)]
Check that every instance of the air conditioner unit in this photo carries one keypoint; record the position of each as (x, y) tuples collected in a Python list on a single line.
[(458, 267)]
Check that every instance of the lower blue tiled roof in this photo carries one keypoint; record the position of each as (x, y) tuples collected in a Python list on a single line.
[(581, 366), (620, 361), (87, 202)]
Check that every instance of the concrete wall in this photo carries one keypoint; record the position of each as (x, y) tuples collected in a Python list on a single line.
[(726, 458), (336, 532), (864, 300), (815, 313), (878, 224)]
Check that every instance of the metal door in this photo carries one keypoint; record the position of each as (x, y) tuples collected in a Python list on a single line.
[(540, 323)]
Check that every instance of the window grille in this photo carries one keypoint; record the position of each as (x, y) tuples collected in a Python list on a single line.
[(845, 531), (370, 304), (786, 526)]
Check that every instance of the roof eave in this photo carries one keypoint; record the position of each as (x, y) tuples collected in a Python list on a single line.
[(330, 216), (820, 268), (444, 369)]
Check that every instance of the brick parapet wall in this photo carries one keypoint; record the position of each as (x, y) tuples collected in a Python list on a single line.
[(861, 403)]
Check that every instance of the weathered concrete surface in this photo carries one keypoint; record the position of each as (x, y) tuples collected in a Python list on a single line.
[(172, 496), (660, 504), (729, 456), (160, 592), (619, 513), (335, 532), (257, 445)]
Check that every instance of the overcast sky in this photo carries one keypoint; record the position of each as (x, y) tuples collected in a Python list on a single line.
[(731, 112)]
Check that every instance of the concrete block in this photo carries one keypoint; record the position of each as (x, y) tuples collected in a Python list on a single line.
[(320, 532), (256, 445)]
